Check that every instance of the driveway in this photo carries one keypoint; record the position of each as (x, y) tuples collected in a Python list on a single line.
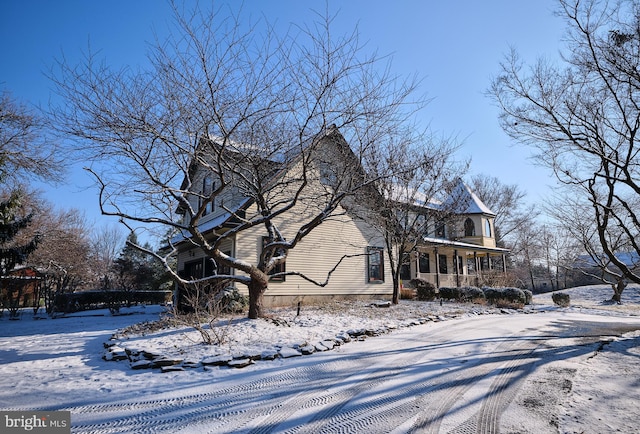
[(486, 374)]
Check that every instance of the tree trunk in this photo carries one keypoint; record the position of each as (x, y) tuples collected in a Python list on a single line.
[(257, 287), (617, 290), (396, 288), (533, 282)]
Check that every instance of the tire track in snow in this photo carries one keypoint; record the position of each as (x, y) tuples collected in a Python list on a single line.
[(333, 413), (232, 407), (453, 406), (374, 392)]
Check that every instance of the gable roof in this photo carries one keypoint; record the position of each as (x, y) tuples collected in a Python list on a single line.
[(465, 201)]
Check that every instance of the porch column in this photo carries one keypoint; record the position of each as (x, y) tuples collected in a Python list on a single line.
[(455, 264), (477, 268), (437, 267), (504, 263), (489, 262)]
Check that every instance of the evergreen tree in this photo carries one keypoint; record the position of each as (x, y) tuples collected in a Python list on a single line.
[(135, 270), (13, 253)]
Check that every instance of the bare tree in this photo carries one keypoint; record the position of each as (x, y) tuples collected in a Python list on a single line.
[(243, 107), (584, 117), (409, 189), (26, 146), (62, 256), (106, 242), (588, 258)]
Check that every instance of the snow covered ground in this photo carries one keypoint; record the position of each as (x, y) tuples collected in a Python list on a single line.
[(550, 369)]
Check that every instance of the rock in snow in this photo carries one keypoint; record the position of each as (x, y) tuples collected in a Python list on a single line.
[(285, 353)]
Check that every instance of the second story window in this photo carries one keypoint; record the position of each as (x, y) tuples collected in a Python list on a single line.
[(487, 228), (207, 189), (440, 230), (469, 228)]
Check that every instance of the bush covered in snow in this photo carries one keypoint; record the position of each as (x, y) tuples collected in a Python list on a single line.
[(426, 291), (562, 299), (507, 297), (472, 294), (449, 293)]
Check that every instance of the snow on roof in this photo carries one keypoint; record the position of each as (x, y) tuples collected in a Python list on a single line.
[(465, 201), (213, 223), (450, 243)]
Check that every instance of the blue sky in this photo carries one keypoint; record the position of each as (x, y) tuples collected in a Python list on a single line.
[(455, 45)]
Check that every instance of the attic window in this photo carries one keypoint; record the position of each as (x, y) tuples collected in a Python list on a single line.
[(469, 228), (207, 190), (440, 230)]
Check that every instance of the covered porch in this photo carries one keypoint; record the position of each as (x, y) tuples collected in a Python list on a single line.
[(447, 263)]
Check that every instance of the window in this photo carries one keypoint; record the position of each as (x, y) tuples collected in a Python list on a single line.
[(224, 269), (193, 270), (375, 265), (423, 263), (203, 267), (327, 174), (469, 228), (460, 265), (440, 230), (405, 269), (207, 190), (280, 268), (487, 227), (442, 264)]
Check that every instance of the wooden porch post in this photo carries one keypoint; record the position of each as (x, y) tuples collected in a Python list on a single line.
[(489, 262), (475, 264), (455, 264), (437, 267), (504, 263)]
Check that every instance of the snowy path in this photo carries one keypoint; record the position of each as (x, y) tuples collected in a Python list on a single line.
[(460, 376)]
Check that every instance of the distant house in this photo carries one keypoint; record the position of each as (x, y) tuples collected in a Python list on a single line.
[(348, 247), (20, 288), (602, 267)]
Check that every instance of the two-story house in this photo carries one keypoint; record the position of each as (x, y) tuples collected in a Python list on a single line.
[(344, 256)]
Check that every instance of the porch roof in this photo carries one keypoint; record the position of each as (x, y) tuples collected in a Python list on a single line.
[(467, 246)]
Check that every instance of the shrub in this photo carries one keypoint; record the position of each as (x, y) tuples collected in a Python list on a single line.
[(449, 293), (562, 299), (231, 301), (85, 300), (506, 297), (515, 295), (528, 296), (492, 294), (507, 304), (471, 294), (426, 291)]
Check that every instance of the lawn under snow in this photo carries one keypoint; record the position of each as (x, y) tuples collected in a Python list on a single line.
[(65, 363)]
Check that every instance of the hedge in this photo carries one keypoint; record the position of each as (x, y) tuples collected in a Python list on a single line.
[(85, 300)]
